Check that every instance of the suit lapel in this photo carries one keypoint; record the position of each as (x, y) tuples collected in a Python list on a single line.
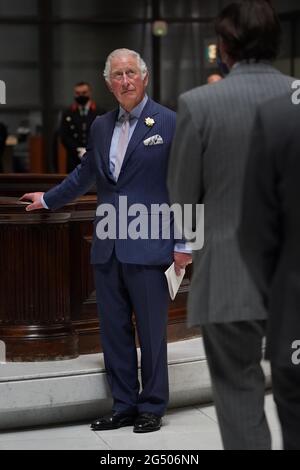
[(141, 130)]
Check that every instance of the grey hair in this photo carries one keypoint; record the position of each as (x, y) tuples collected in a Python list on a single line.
[(121, 52)]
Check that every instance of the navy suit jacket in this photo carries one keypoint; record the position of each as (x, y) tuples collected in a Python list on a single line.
[(142, 180)]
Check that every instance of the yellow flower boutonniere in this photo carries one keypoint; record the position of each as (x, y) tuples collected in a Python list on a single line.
[(149, 122)]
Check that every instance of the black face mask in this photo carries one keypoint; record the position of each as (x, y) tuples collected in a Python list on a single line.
[(82, 100), (224, 69)]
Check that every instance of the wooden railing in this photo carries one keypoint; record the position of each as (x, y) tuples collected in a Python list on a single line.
[(47, 295)]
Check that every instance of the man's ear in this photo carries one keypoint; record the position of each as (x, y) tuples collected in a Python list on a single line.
[(224, 54), (146, 80)]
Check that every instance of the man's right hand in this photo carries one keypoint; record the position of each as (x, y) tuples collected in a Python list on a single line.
[(35, 198)]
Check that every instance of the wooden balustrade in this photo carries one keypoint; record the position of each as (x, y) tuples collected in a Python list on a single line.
[(47, 293)]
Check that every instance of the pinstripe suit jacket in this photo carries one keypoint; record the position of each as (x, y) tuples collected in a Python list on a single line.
[(270, 226), (207, 166)]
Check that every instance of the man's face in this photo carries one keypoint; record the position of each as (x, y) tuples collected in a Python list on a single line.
[(82, 90), (126, 82)]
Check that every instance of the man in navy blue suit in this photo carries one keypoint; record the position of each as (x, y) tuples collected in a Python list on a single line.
[(127, 157)]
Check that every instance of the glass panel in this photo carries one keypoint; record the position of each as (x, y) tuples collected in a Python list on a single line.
[(18, 8), (282, 6), (101, 9), (22, 86), (189, 8), (283, 63), (297, 58), (19, 65), (80, 53), (12, 120), (20, 72), (21, 126), (22, 42), (183, 64)]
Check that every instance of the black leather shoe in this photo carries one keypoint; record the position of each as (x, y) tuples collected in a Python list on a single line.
[(113, 421), (147, 422)]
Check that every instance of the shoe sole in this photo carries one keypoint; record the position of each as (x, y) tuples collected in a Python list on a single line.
[(110, 428), (144, 431)]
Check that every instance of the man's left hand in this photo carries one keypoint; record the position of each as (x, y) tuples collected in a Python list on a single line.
[(81, 151), (182, 260)]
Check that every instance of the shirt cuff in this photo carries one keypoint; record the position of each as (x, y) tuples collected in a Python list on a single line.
[(43, 203), (183, 248)]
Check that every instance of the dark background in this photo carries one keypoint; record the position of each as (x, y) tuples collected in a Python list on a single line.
[(48, 45)]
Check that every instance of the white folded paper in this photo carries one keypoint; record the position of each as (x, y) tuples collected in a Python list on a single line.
[(174, 281), (81, 151)]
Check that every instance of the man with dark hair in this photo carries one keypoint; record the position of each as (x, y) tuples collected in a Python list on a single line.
[(76, 123), (207, 166), (250, 30), (269, 240)]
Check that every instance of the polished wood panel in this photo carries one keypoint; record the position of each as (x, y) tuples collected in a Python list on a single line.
[(47, 294), (35, 319), (16, 184), (37, 155)]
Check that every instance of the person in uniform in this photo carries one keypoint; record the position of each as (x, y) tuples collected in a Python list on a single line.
[(75, 124)]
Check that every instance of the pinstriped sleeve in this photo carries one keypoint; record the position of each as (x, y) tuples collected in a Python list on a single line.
[(185, 164)]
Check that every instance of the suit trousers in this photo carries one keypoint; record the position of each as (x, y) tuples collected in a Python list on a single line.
[(286, 390), (234, 353), (121, 290)]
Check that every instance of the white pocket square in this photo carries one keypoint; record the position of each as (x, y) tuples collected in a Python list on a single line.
[(154, 140)]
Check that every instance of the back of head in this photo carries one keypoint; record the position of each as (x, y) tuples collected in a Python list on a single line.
[(249, 29)]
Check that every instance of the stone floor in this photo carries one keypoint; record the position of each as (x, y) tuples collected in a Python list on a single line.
[(191, 428)]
